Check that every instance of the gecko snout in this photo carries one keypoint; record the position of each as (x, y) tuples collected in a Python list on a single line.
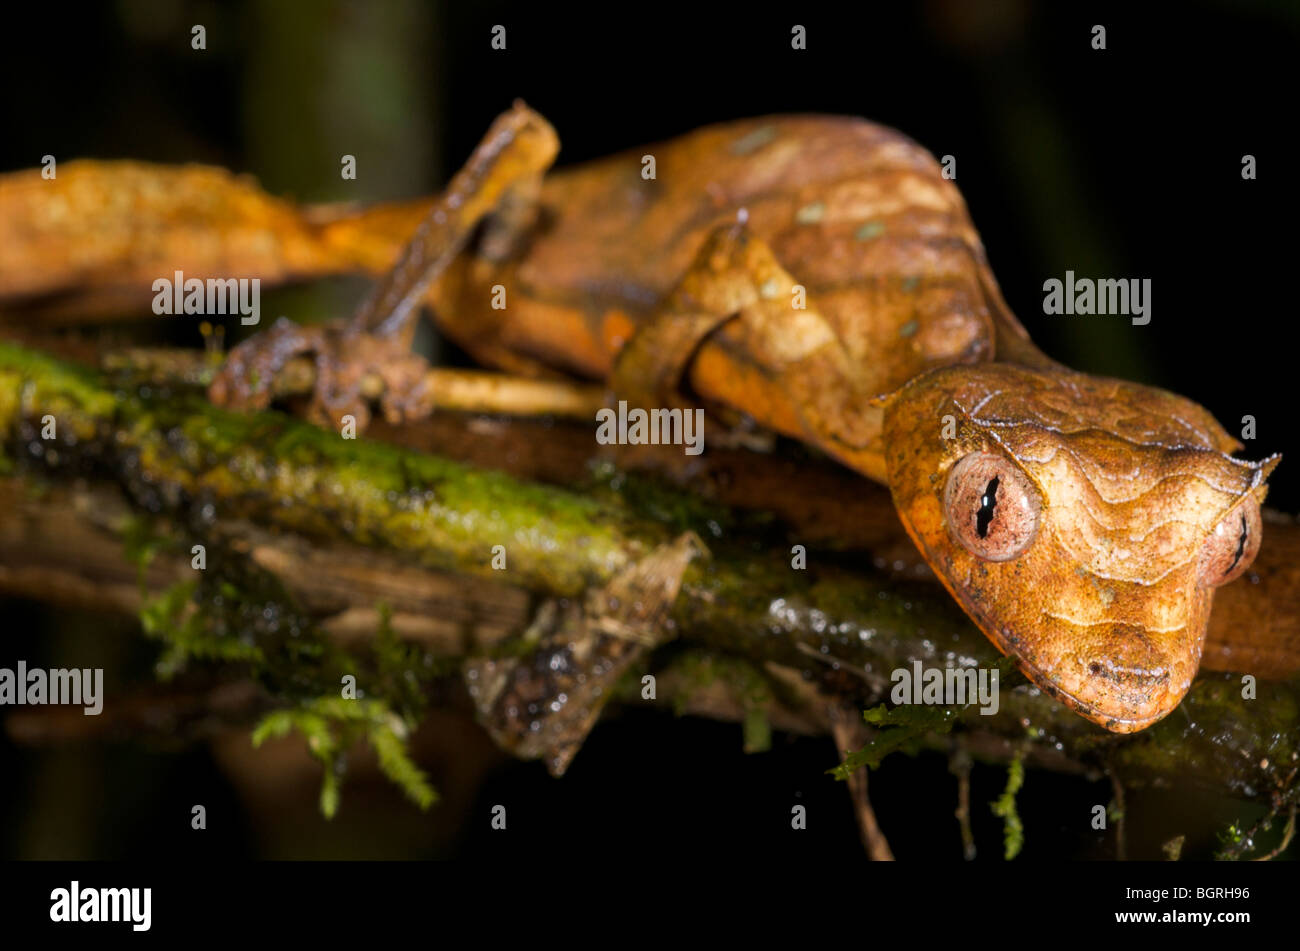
[(1126, 678)]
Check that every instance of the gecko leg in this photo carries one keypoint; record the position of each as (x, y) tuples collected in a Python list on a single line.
[(737, 329), (502, 174)]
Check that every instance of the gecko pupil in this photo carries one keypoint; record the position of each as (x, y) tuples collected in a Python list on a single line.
[(988, 502), (1241, 545)]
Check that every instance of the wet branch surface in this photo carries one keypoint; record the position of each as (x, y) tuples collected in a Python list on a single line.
[(364, 532)]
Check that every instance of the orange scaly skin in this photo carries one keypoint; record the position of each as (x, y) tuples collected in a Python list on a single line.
[(904, 360), (1106, 609)]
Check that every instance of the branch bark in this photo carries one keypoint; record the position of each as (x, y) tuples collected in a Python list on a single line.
[(347, 524)]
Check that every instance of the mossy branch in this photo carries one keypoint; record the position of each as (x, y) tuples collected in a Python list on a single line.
[(836, 628)]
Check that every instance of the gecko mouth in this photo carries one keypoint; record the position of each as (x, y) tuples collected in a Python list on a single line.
[(1119, 678)]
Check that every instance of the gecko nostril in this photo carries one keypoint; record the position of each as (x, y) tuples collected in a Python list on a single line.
[(1131, 669)]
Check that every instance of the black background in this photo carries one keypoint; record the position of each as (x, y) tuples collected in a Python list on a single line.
[(1117, 163)]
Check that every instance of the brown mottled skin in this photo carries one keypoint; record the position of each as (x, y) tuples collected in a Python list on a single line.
[(1107, 609), (903, 361)]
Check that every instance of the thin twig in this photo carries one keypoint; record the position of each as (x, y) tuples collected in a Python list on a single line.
[(466, 391), (850, 734), (1287, 834), (959, 763)]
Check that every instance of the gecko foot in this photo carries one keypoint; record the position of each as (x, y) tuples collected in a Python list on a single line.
[(351, 370)]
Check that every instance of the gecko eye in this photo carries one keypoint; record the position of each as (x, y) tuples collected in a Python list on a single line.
[(1232, 545), (991, 506)]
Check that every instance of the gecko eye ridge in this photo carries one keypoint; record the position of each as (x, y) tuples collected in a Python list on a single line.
[(992, 509)]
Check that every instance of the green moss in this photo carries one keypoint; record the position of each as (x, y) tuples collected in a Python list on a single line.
[(664, 503), (331, 725), (143, 539), (1013, 831), (1237, 840), (377, 494), (43, 376), (174, 618), (910, 726), (901, 728), (273, 468), (235, 613), (194, 466), (757, 730), (745, 684)]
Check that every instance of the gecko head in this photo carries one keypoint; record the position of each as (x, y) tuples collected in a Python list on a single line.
[(1083, 524)]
